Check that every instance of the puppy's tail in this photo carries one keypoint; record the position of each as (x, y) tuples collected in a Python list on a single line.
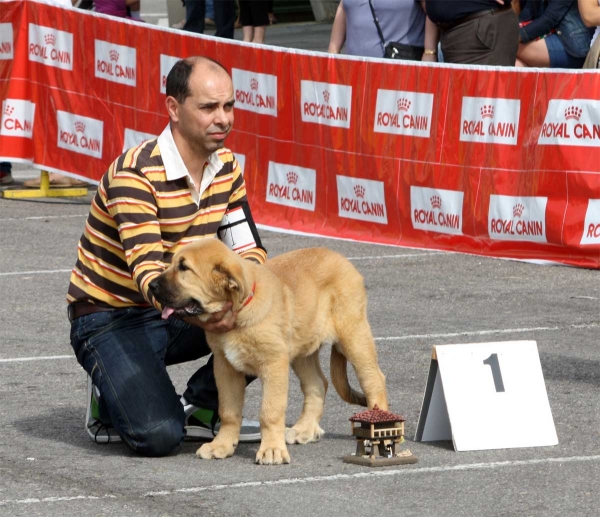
[(339, 378)]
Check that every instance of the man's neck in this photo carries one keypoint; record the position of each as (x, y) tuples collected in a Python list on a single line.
[(193, 159)]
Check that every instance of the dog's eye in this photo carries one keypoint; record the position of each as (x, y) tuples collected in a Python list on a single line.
[(182, 266)]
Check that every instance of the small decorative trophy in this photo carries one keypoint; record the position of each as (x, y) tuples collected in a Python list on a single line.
[(377, 434)]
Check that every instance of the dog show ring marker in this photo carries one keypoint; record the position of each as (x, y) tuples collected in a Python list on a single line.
[(486, 396)]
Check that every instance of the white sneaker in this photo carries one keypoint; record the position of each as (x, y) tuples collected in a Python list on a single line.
[(205, 424)]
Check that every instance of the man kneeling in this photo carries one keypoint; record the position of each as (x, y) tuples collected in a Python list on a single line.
[(154, 199)]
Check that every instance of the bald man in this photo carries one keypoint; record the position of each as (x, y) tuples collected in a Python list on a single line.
[(154, 199)]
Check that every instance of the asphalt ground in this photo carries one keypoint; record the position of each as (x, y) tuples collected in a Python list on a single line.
[(417, 299)]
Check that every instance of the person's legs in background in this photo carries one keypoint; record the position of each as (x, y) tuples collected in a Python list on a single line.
[(254, 18), (534, 53), (547, 52), (224, 18), (56, 180), (195, 11), (134, 9), (246, 20), (209, 17), (272, 19), (6, 173)]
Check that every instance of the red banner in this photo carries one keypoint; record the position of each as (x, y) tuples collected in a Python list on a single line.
[(492, 161)]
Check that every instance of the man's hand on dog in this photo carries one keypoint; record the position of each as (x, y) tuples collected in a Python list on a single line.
[(222, 321)]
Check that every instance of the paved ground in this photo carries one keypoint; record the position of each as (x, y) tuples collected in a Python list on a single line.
[(417, 299)]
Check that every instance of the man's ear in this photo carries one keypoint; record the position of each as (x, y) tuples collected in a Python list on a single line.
[(172, 108)]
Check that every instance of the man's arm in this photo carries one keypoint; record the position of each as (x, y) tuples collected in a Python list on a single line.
[(237, 229), (132, 204)]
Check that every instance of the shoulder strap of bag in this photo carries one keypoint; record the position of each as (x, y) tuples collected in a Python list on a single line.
[(376, 21)]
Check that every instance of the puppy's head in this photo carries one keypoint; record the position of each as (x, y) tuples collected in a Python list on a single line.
[(201, 279)]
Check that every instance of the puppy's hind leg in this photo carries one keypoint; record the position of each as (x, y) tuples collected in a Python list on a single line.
[(314, 388), (356, 344)]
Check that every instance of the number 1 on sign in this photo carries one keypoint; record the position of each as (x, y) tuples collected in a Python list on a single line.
[(492, 362)]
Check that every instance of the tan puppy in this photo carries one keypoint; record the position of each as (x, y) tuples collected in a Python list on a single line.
[(288, 309)]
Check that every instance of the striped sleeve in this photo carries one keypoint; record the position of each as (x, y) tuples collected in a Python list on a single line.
[(132, 204)]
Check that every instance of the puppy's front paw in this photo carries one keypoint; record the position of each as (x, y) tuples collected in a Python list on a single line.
[(211, 451), (272, 456), (304, 434)]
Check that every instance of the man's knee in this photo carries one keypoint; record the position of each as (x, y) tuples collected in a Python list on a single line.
[(160, 441)]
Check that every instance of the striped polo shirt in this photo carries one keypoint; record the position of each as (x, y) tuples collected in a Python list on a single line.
[(145, 209)]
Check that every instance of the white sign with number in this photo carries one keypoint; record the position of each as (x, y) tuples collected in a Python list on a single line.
[(487, 396)]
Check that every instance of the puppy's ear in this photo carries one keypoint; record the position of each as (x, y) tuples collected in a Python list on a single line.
[(232, 276)]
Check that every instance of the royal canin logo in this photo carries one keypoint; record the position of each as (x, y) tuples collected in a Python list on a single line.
[(359, 191), (518, 210), (591, 226), (571, 122), (403, 105), (51, 47), (80, 134), (573, 112), (490, 120), (400, 112), (292, 178), (427, 213), (487, 111), (292, 186), (117, 63), (6, 41), (361, 199), (17, 118), (325, 103), (255, 92), (512, 218)]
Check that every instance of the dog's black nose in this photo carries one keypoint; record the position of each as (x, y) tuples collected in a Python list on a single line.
[(154, 286)]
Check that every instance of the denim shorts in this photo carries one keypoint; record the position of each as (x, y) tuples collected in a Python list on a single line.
[(559, 57)]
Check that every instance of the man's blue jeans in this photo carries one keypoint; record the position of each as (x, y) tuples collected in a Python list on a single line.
[(126, 352)]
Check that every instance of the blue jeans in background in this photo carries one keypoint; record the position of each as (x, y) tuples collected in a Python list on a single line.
[(126, 352), (224, 17)]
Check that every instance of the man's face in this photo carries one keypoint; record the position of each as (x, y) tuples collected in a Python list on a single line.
[(205, 118)]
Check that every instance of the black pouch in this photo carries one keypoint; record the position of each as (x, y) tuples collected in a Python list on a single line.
[(395, 50)]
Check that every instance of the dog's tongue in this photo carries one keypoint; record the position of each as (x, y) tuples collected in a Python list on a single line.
[(167, 311)]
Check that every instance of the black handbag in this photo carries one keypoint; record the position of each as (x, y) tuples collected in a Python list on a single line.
[(395, 50)]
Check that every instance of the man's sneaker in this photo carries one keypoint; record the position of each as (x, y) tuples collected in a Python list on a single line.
[(205, 424), (97, 430)]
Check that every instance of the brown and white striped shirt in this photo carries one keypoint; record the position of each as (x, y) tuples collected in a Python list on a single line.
[(145, 209)]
